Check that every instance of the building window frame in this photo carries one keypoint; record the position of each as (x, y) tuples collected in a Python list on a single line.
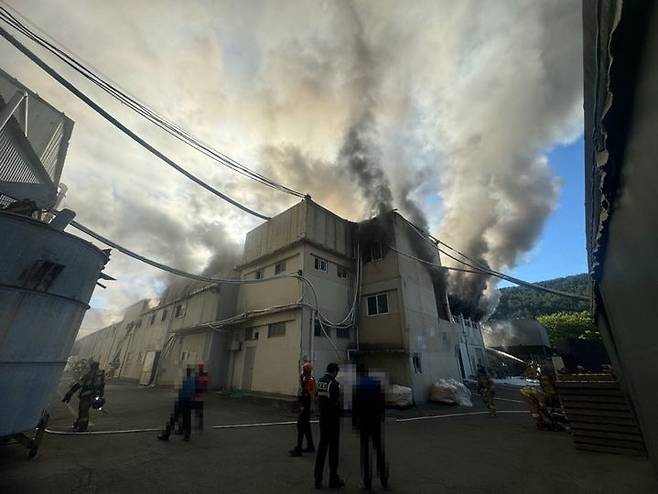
[(377, 304), (179, 311), (321, 264), (417, 363), (343, 332), (280, 268), (258, 275), (341, 271), (276, 329), (250, 334), (164, 315)]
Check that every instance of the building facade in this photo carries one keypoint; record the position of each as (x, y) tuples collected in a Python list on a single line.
[(313, 288)]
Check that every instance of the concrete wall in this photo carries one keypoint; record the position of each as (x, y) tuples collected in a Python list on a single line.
[(276, 359), (629, 275)]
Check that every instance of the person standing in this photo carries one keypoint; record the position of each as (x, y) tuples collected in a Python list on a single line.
[(486, 390), (307, 394), (200, 390), (182, 408), (329, 404), (91, 385), (368, 412)]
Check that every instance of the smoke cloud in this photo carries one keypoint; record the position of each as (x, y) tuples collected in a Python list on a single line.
[(443, 109)]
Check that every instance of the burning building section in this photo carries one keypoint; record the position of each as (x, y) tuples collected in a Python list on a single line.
[(333, 290)]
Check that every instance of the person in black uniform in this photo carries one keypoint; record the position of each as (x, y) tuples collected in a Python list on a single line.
[(368, 406), (329, 404), (91, 385)]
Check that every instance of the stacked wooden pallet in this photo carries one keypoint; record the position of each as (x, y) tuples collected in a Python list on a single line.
[(600, 417)]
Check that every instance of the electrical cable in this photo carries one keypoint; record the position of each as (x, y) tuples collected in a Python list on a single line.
[(495, 274), (112, 88), (184, 274), (55, 75)]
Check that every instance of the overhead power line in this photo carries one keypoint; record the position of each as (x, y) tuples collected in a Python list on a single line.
[(55, 75), (479, 268), (110, 87)]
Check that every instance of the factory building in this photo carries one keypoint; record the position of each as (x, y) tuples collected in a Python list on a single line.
[(315, 288)]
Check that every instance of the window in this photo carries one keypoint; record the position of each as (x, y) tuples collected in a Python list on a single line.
[(317, 329), (279, 267), (378, 304), (183, 355), (139, 358), (138, 324), (418, 369), (321, 264), (374, 252), (164, 315), (40, 275), (342, 271), (179, 311), (342, 332), (276, 329), (152, 321), (250, 334), (258, 274)]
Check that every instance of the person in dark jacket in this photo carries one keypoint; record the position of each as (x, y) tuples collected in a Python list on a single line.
[(182, 408), (368, 407), (307, 387), (91, 385), (330, 411)]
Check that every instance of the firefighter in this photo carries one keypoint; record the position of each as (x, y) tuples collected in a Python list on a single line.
[(486, 390), (182, 408), (307, 388), (91, 386), (368, 407), (329, 404)]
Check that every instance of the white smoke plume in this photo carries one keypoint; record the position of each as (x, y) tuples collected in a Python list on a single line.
[(449, 108)]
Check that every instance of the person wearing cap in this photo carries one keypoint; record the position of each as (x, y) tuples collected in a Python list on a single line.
[(306, 395), (329, 404)]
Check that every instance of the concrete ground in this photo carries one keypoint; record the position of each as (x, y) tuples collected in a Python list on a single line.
[(459, 452)]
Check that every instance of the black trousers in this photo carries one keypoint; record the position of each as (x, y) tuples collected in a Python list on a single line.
[(329, 440), (373, 431), (82, 422), (182, 410), (304, 428)]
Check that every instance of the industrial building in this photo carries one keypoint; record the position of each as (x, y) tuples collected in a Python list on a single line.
[(315, 287), (620, 47)]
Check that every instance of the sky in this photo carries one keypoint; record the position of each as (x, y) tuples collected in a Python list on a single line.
[(560, 250), (467, 116)]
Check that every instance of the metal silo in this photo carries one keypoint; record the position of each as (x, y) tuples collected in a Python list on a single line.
[(47, 277)]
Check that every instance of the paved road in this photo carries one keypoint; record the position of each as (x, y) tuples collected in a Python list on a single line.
[(457, 453)]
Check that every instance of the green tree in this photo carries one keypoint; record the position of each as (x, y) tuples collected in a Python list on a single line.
[(569, 325)]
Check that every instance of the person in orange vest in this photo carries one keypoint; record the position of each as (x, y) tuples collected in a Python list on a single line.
[(200, 390), (306, 396)]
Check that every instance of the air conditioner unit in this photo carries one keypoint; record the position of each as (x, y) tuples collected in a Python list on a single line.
[(236, 346)]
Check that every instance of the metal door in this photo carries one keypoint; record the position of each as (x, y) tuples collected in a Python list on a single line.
[(147, 370), (248, 369)]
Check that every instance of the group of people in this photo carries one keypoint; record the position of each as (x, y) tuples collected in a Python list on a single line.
[(191, 397), (368, 406)]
